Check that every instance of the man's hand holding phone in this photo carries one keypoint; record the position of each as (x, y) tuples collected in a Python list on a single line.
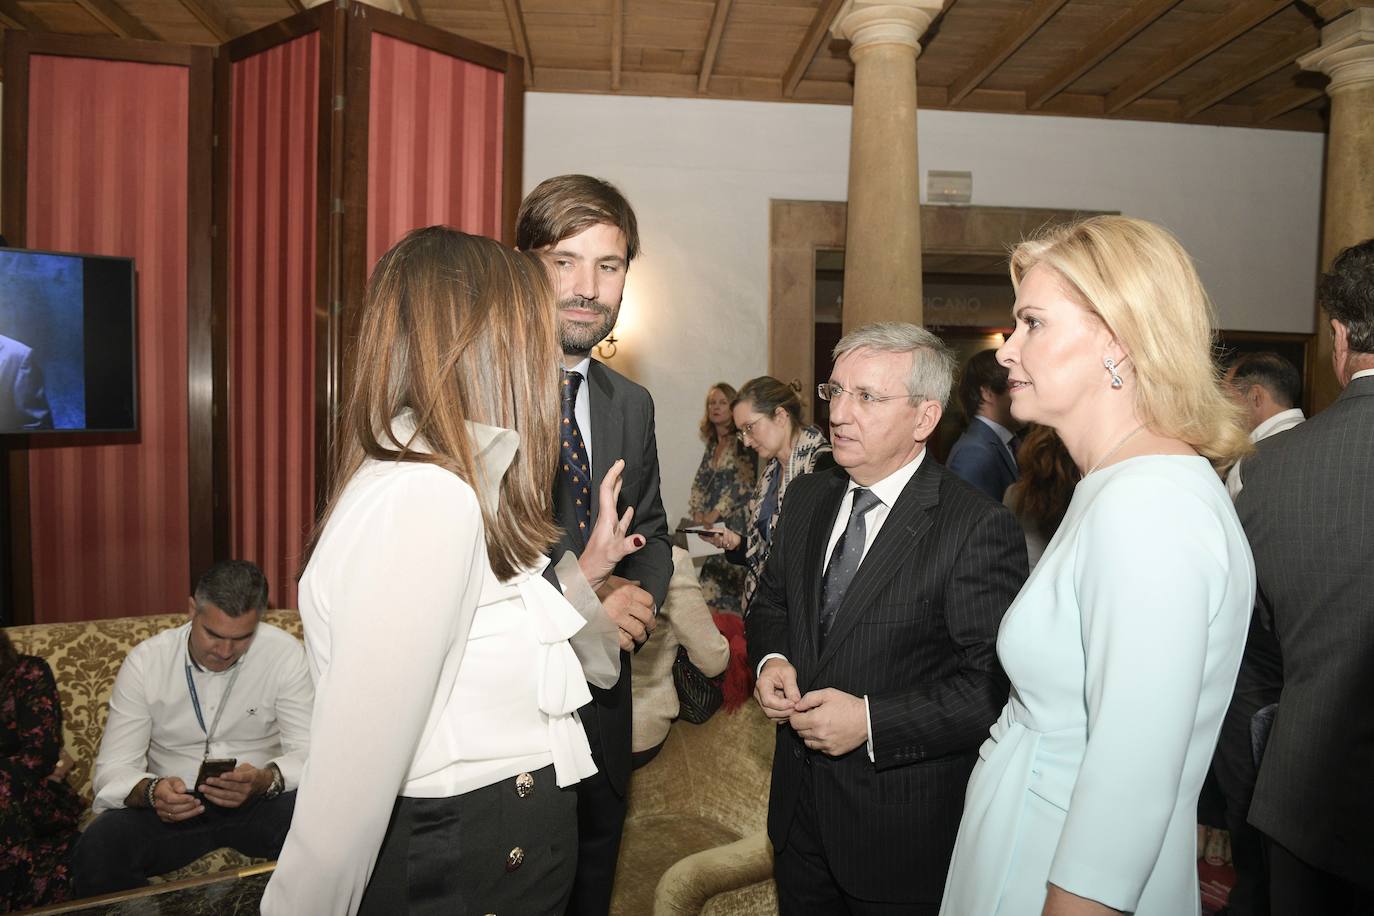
[(231, 786)]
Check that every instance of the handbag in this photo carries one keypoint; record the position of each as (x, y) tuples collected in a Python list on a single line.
[(698, 696)]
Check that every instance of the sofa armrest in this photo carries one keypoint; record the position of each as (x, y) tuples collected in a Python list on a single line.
[(687, 885)]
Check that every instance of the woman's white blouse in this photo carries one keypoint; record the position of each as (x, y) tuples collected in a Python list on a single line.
[(432, 678)]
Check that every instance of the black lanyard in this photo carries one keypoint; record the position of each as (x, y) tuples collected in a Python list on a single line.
[(195, 698)]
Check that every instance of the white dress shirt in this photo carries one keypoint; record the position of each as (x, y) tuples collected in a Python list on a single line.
[(1284, 419), (433, 678), (153, 730), (887, 490), (1362, 374)]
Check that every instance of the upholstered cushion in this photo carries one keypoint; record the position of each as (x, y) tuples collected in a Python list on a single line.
[(85, 657), (702, 803)]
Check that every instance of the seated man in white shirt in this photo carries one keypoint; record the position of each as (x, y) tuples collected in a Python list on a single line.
[(221, 687)]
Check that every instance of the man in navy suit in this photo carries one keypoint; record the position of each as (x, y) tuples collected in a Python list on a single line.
[(983, 456)]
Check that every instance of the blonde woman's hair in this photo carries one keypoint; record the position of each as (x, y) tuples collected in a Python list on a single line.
[(459, 328), (1137, 279)]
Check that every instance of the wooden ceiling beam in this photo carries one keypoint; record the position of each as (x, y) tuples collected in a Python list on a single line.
[(1123, 29), (708, 58), (1285, 102), (411, 10), (115, 18), (15, 16), (1229, 27), (617, 41), (811, 43), (218, 19), (1269, 61), (296, 6), (520, 39), (1007, 43)]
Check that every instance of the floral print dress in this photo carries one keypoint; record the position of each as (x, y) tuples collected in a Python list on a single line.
[(38, 817), (724, 488)]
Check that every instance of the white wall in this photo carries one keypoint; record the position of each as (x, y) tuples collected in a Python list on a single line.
[(700, 174)]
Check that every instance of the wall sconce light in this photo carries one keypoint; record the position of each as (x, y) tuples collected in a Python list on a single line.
[(949, 187), (606, 349)]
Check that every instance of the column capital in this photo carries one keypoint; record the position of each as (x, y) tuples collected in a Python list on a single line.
[(1346, 53), (865, 23)]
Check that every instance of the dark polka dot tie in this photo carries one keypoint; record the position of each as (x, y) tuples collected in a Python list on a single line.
[(573, 464)]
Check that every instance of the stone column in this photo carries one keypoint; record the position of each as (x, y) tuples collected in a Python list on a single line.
[(882, 266), (1347, 56)]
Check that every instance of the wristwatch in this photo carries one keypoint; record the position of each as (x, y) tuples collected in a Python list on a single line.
[(278, 783)]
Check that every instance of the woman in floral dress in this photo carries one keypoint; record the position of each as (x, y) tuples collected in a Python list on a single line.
[(720, 496)]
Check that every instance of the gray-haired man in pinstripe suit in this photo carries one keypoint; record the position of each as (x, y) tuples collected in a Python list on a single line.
[(873, 631)]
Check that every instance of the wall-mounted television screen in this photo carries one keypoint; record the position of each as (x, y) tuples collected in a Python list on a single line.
[(67, 345)]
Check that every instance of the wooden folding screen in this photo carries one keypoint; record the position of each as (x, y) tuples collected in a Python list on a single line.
[(346, 128), (107, 150), (255, 194)]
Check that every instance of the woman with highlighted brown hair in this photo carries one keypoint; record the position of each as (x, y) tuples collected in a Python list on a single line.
[(1123, 645), (434, 786), (720, 495), (1040, 495)]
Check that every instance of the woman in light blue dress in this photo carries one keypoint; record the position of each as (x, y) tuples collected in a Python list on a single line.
[(1123, 646)]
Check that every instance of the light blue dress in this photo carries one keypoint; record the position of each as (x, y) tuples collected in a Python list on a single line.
[(1122, 650)]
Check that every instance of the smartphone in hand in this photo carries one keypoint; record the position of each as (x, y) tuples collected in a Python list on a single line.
[(213, 766)]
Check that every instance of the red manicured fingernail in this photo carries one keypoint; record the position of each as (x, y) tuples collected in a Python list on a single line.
[(639, 541)]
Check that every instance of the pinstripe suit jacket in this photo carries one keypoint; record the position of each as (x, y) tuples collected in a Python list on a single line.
[(1308, 510), (916, 633)]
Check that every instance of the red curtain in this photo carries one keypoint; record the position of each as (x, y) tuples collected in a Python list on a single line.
[(271, 302), (434, 144), (107, 174)]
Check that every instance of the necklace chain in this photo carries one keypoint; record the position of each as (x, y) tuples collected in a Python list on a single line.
[(1115, 448)]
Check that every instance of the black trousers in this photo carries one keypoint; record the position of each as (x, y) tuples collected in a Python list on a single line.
[(807, 886), (1297, 888), (600, 824), (121, 849), (485, 851)]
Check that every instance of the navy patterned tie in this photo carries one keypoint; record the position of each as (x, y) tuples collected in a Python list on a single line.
[(845, 560), (576, 469)]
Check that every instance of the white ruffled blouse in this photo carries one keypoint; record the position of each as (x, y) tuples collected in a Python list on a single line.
[(432, 678)]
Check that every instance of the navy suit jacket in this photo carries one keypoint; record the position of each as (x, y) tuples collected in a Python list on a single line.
[(980, 459)]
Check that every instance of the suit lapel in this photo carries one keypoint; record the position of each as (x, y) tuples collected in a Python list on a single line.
[(1003, 451), (607, 428), (822, 523), (907, 524)]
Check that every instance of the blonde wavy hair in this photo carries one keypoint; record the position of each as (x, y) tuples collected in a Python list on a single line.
[(1137, 279)]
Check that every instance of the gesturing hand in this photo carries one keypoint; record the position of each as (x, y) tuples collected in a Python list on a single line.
[(631, 607), (610, 540)]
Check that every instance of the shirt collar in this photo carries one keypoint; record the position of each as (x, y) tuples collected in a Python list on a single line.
[(1268, 426), (582, 368), (891, 486), (495, 446), (1002, 432), (1363, 373)]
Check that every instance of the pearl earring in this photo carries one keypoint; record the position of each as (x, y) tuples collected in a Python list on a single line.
[(1110, 365)]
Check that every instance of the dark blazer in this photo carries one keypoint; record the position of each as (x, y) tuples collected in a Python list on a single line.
[(979, 458), (622, 417), (917, 634), (1308, 510)]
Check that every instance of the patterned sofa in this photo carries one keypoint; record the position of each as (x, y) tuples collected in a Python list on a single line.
[(85, 657), (695, 839)]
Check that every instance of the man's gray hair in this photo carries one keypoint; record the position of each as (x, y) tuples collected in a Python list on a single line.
[(932, 362)]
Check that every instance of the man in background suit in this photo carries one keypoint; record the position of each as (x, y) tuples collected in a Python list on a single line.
[(1308, 509), (983, 455), (587, 235), (873, 631), (1268, 387)]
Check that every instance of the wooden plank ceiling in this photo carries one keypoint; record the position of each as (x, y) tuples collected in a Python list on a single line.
[(1229, 62)]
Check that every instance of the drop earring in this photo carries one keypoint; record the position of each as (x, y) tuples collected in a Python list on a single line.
[(1110, 365)]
